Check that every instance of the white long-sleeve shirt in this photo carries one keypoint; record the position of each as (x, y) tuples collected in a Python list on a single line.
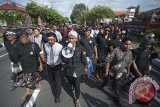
[(57, 53), (59, 36)]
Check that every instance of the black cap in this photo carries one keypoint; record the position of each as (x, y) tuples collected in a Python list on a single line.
[(146, 41)]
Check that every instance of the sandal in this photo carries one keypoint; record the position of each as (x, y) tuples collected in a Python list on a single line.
[(77, 103)]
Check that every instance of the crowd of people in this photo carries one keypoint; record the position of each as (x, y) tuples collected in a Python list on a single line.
[(101, 51)]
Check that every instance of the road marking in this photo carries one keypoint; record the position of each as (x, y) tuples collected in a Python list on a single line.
[(3, 55), (2, 44), (33, 98)]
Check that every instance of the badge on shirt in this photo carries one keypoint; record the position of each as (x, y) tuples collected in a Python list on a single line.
[(31, 53), (90, 41)]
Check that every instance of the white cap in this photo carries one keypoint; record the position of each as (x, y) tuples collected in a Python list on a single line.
[(150, 35), (123, 31), (10, 33), (73, 33)]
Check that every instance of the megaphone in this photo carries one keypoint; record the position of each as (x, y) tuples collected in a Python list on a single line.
[(67, 52)]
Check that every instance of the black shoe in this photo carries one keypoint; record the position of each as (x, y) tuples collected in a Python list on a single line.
[(57, 99), (101, 86), (117, 102), (148, 104), (82, 81), (83, 77), (71, 87)]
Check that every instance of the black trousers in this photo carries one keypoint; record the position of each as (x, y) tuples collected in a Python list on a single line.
[(76, 83), (116, 86), (105, 81), (55, 74)]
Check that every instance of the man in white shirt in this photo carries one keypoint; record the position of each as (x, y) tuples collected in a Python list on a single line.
[(58, 34), (52, 51), (37, 37)]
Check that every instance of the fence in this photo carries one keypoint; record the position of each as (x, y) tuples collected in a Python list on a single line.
[(139, 27)]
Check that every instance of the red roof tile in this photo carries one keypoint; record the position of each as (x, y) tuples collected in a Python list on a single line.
[(12, 6), (119, 12)]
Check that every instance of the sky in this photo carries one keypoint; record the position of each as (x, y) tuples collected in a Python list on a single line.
[(64, 7)]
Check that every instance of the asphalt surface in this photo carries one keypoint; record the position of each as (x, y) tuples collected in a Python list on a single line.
[(91, 94)]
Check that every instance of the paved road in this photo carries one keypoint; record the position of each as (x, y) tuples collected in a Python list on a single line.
[(91, 95)]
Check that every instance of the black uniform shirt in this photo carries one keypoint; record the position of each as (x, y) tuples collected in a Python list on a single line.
[(12, 50), (28, 54), (142, 59), (116, 42), (88, 44)]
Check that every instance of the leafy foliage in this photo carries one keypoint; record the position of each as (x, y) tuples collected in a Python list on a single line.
[(78, 12), (142, 17), (1, 35), (156, 32), (12, 17), (48, 15), (99, 12), (137, 11)]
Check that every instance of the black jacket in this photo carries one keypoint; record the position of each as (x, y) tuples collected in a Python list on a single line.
[(76, 63)]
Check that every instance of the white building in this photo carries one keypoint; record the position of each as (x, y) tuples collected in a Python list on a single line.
[(130, 14), (125, 16)]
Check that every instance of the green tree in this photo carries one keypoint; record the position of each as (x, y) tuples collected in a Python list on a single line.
[(99, 12), (48, 15), (156, 32), (12, 17), (78, 12), (142, 17), (67, 19), (137, 11)]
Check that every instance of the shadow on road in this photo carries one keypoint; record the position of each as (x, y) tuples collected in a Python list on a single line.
[(93, 102), (66, 87)]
